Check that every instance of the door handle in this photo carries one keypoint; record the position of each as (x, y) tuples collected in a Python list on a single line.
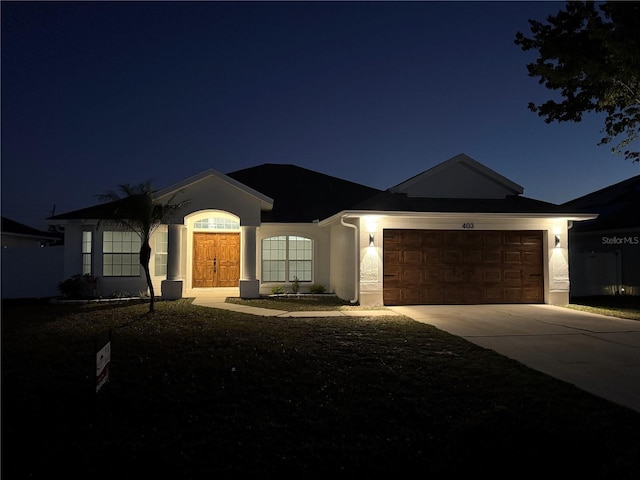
[(214, 264)]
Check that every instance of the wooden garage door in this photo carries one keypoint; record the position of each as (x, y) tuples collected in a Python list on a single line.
[(462, 267)]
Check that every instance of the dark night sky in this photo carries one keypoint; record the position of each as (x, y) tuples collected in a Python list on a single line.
[(99, 94)]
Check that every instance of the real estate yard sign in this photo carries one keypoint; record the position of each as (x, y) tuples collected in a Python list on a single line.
[(103, 360)]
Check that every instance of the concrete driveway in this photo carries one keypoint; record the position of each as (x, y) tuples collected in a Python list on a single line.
[(596, 353)]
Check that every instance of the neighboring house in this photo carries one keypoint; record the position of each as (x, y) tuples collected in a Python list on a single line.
[(32, 264), (605, 251), (457, 233), (16, 234)]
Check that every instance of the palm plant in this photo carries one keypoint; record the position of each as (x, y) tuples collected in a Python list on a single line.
[(135, 208)]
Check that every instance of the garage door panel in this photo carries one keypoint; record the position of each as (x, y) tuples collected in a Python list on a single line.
[(512, 277), (432, 239), (392, 295), (411, 237), (490, 257), (411, 275), (492, 239), (411, 295), (532, 295), (472, 257), (450, 275), (432, 255), (474, 294), (493, 295), (453, 295), (457, 267), (512, 238), (513, 256), (412, 257), (492, 275), (430, 276), (451, 257), (531, 257), (529, 239), (452, 237), (432, 295), (512, 295)]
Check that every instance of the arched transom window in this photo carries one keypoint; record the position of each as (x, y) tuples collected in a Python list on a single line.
[(285, 258), (217, 223)]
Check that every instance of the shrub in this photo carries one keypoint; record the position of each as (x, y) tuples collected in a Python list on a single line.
[(317, 288), (295, 285), (120, 294), (277, 290), (79, 286)]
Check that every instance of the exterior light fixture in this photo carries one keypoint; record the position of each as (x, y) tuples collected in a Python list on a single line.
[(371, 240), (557, 240)]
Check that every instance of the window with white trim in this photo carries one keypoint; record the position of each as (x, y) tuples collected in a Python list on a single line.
[(217, 223), (161, 251), (120, 254), (86, 252), (285, 258)]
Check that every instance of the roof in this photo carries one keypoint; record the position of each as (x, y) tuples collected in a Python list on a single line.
[(19, 229), (617, 205), (102, 210), (299, 194), (387, 201)]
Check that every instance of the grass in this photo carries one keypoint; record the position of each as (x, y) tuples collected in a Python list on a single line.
[(616, 306), (197, 393)]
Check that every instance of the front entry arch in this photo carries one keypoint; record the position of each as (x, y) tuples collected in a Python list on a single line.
[(216, 260)]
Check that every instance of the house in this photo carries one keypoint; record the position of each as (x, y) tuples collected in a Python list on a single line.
[(15, 234), (32, 261), (457, 233), (605, 251)]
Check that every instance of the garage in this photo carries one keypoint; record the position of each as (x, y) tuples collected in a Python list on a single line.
[(449, 267)]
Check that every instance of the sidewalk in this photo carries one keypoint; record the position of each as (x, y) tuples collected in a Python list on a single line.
[(214, 302)]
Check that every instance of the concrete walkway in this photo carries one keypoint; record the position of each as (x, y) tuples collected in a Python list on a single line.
[(219, 302)]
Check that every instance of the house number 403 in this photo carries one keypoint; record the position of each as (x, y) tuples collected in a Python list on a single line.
[(467, 225)]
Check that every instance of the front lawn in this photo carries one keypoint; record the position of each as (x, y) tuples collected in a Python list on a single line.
[(622, 306), (197, 392)]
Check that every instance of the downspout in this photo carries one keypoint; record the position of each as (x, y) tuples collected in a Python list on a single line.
[(357, 258)]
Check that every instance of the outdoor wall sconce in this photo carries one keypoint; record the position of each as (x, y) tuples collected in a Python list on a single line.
[(371, 240), (557, 240)]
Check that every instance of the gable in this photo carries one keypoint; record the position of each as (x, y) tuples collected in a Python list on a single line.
[(214, 190), (207, 190), (458, 177)]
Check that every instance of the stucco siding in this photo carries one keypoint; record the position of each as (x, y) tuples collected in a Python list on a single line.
[(321, 253), (213, 193), (343, 269), (73, 249)]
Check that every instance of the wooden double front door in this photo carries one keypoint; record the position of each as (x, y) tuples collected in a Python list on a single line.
[(216, 260), (462, 267)]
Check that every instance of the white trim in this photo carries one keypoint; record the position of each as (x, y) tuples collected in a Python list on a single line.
[(266, 202), (429, 215)]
